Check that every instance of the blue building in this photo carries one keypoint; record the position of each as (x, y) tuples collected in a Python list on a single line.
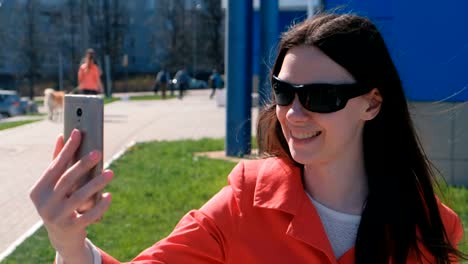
[(427, 40)]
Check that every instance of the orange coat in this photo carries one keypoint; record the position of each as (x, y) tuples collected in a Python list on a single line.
[(89, 79), (262, 216)]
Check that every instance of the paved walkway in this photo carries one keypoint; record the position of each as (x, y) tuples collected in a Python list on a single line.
[(26, 151)]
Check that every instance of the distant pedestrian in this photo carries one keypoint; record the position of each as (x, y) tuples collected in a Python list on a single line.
[(161, 83), (183, 80), (89, 75), (215, 81)]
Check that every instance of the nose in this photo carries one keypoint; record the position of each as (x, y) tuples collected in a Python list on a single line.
[(296, 113)]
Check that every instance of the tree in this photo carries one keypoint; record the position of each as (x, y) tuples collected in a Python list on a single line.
[(30, 44), (188, 33), (70, 42), (170, 40), (108, 27), (212, 17), (8, 44)]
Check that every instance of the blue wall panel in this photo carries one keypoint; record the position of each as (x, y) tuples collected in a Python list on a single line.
[(428, 41)]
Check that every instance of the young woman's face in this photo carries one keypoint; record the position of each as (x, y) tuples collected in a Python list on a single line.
[(315, 138)]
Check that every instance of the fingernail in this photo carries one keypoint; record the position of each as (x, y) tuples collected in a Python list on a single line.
[(75, 132), (94, 155), (107, 196), (108, 175)]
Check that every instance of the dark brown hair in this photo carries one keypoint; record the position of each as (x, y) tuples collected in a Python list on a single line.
[(91, 54), (401, 198)]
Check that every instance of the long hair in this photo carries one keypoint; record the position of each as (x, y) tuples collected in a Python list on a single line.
[(91, 55), (401, 201)]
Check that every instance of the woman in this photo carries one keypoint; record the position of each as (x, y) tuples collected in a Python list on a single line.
[(345, 180), (89, 75)]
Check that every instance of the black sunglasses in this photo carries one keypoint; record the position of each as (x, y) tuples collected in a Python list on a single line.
[(317, 97)]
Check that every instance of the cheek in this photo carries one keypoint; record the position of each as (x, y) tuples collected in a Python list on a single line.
[(341, 127), (281, 112)]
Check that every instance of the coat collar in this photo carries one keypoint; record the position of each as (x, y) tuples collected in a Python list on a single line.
[(279, 187)]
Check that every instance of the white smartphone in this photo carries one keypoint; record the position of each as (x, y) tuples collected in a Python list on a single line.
[(85, 113)]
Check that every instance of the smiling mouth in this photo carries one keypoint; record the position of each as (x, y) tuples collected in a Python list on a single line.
[(306, 135)]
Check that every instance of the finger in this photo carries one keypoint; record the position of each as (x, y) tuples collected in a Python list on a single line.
[(60, 163), (66, 183), (67, 153), (96, 213), (85, 194), (49, 177), (59, 143)]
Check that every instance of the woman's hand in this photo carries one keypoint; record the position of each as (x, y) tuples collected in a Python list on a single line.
[(57, 204)]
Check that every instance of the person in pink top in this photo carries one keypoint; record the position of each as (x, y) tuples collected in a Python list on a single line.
[(89, 75)]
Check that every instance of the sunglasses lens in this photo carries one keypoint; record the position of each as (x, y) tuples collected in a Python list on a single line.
[(321, 100), (283, 94)]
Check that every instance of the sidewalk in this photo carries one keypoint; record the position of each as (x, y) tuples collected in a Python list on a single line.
[(26, 151)]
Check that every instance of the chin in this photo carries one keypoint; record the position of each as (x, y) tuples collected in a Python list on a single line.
[(303, 158)]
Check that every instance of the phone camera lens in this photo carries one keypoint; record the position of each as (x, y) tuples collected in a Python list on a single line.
[(79, 112)]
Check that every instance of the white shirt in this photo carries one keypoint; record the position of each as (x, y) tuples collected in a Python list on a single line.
[(96, 255), (341, 228)]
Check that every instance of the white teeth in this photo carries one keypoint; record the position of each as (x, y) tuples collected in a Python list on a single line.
[(306, 135)]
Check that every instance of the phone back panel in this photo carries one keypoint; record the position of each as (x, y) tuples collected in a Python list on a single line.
[(85, 113)]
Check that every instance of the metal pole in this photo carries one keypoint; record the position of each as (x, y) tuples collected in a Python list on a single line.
[(193, 37), (108, 77), (269, 37), (313, 6), (195, 9), (195, 44), (60, 72), (84, 26), (239, 77)]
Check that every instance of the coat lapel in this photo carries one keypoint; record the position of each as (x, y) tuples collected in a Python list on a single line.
[(279, 186)]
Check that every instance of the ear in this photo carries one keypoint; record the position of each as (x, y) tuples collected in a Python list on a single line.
[(374, 102)]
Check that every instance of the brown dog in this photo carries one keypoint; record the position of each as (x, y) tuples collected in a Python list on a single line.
[(53, 102)]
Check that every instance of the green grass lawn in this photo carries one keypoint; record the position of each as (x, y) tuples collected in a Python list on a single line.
[(36, 114), (7, 125), (39, 102), (113, 99), (108, 100), (155, 184)]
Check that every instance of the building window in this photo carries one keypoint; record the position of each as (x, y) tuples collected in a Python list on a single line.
[(150, 4)]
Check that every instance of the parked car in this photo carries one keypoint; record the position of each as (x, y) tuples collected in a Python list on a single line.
[(197, 84), (10, 104), (193, 84)]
